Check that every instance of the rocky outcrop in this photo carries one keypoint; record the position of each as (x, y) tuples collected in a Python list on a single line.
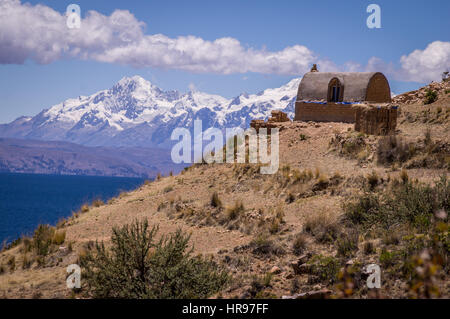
[(419, 96), (277, 117)]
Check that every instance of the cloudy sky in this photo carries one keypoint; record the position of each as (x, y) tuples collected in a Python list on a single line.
[(222, 47)]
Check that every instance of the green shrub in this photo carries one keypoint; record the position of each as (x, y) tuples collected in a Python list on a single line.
[(325, 268), (262, 245), (406, 203), (347, 244), (303, 137), (138, 267), (388, 258), (430, 97), (42, 239)]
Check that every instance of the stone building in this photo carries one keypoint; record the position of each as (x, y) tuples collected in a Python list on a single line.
[(351, 97)]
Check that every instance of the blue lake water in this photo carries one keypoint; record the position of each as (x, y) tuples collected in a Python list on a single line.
[(27, 200)]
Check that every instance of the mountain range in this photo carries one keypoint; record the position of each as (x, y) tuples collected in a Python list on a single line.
[(125, 130), (134, 112)]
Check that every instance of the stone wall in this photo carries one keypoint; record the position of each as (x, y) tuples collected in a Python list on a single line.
[(329, 112), (277, 117), (369, 119), (376, 120)]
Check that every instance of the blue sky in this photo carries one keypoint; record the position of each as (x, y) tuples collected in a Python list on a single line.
[(332, 31)]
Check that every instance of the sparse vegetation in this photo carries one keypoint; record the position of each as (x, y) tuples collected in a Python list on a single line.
[(299, 244), (430, 97), (322, 226), (263, 245), (98, 202), (326, 268), (372, 180), (347, 244), (407, 203), (234, 211), (369, 248), (137, 266), (215, 200), (84, 208), (392, 149)]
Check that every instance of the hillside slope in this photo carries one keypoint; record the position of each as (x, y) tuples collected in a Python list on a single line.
[(296, 225)]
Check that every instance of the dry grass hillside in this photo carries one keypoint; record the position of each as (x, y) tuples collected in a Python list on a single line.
[(341, 200)]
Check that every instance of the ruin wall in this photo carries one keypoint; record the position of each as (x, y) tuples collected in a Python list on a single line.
[(329, 112)]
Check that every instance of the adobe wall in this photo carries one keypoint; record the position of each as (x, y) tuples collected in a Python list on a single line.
[(376, 120), (329, 112), (378, 89)]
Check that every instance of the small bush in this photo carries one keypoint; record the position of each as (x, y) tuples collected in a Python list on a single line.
[(233, 212), (404, 176), (168, 189), (372, 180), (138, 267), (59, 237), (392, 149), (369, 248), (262, 245), (97, 202), (325, 268), (303, 137), (84, 208), (322, 226), (26, 262), (11, 263), (299, 244), (388, 259), (42, 239), (430, 97), (347, 244), (215, 200), (274, 226), (390, 238), (406, 203)]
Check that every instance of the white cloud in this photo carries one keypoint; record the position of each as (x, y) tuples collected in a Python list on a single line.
[(426, 65), (40, 33)]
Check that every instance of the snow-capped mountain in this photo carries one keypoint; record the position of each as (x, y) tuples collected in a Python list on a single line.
[(135, 112)]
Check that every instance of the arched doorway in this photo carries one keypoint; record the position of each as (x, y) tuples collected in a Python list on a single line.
[(335, 90)]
